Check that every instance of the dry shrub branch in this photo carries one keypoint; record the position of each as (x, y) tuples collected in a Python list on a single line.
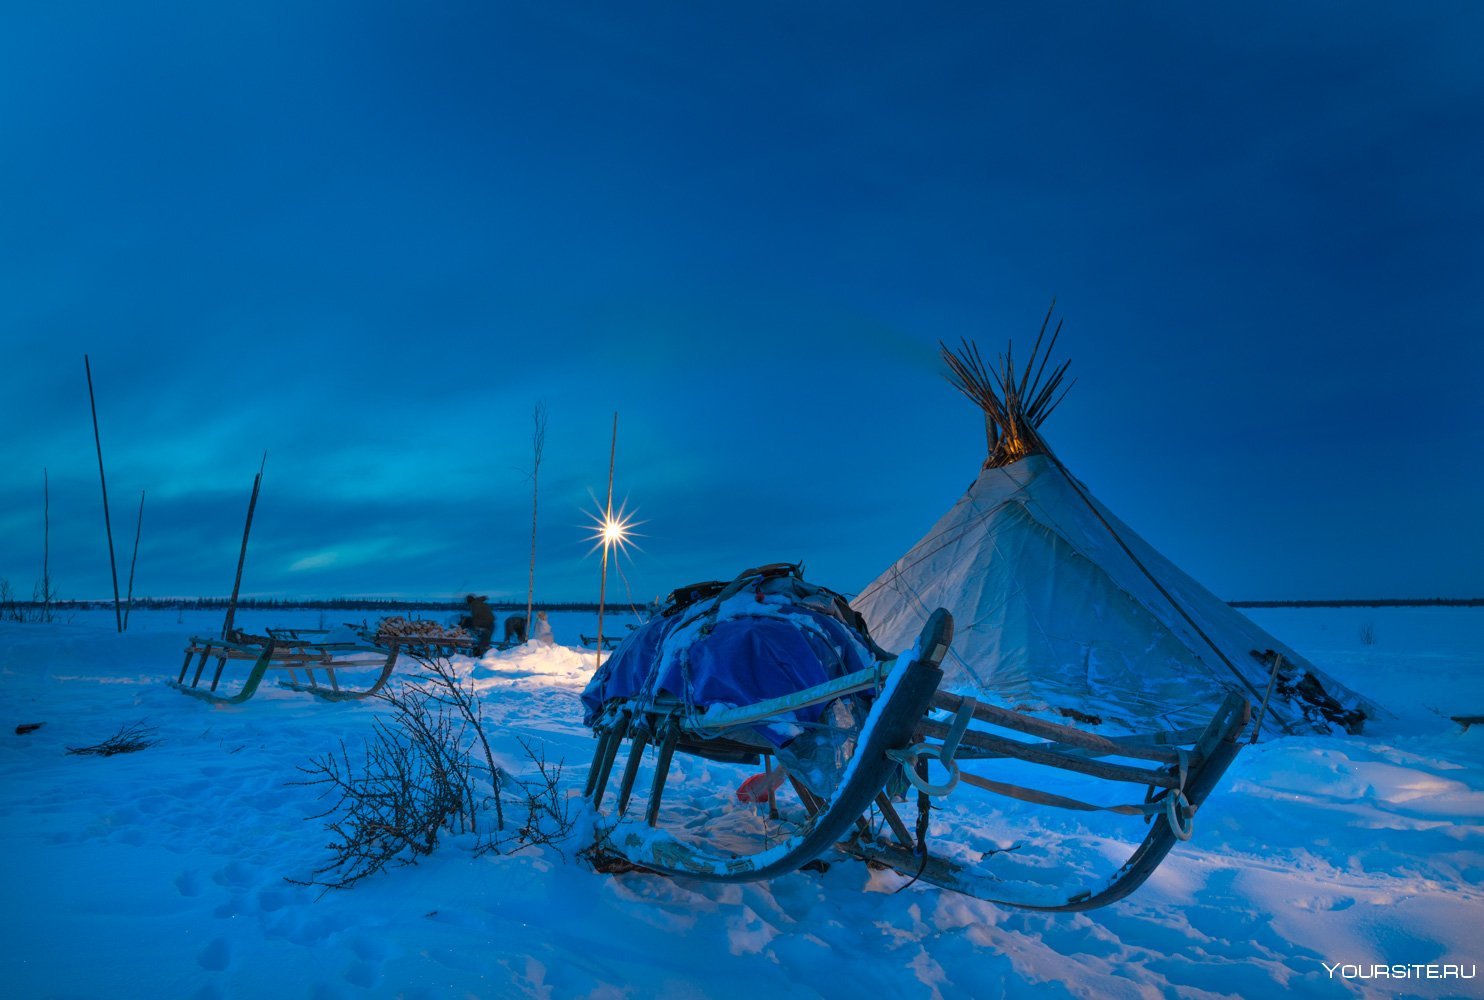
[(428, 770), (131, 738)]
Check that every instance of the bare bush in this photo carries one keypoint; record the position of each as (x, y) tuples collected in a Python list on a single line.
[(37, 609), (411, 784), (428, 770), (543, 802), (131, 738), (1368, 634)]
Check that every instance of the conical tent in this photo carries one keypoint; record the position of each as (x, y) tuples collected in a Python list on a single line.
[(1063, 610)]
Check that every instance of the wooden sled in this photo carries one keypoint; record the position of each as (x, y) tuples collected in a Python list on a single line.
[(905, 690), (285, 649), (911, 724), (609, 641), (1191, 763)]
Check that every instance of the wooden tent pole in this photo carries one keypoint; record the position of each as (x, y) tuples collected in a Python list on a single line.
[(107, 526), (607, 542), (46, 544), (138, 526), (242, 556), (538, 445)]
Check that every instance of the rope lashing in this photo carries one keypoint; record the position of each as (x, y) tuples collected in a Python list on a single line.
[(1177, 804), (944, 753), (1179, 813), (924, 808)]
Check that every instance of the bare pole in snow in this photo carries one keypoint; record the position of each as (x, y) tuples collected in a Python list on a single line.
[(538, 444), (46, 545), (607, 538), (107, 526), (242, 556), (138, 526)]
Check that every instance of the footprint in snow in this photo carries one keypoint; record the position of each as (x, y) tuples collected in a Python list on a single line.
[(215, 956), (188, 883)]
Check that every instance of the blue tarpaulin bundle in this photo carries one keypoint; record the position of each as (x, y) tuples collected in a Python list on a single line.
[(765, 635)]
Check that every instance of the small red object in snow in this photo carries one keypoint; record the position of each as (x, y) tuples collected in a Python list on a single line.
[(758, 787)]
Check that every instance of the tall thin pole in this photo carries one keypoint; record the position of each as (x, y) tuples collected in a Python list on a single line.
[(138, 525), (538, 444), (242, 556), (108, 527), (607, 542), (46, 545)]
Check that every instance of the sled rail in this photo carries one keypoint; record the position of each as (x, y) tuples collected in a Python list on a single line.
[(322, 664), (1153, 746), (978, 745)]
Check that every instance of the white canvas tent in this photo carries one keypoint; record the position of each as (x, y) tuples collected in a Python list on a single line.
[(1062, 610)]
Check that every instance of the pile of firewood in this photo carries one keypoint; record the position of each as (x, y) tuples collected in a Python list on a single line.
[(402, 628)]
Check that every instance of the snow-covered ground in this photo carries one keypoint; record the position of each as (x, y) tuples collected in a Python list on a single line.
[(161, 873)]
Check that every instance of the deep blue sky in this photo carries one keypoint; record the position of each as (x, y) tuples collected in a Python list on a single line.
[(368, 238)]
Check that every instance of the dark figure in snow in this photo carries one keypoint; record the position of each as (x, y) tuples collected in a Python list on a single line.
[(479, 621), (515, 630)]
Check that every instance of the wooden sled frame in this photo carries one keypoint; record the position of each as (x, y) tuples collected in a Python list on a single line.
[(905, 691), (284, 649), (1194, 762)]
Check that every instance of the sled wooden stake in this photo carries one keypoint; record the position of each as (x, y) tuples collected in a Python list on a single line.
[(242, 555)]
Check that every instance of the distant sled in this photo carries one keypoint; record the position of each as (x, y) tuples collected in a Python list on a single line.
[(332, 670)]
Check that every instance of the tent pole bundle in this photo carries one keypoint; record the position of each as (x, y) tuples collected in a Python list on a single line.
[(1013, 407)]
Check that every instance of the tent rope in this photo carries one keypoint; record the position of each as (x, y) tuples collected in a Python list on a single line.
[(1179, 608)]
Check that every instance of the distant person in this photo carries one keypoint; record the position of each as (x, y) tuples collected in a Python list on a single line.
[(479, 621), (543, 634), (515, 630)]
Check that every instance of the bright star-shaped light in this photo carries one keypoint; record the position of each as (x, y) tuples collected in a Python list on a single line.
[(613, 530)]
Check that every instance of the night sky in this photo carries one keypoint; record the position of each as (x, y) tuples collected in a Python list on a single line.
[(369, 238)]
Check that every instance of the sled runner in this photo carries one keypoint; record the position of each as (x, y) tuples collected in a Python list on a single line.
[(324, 664)]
